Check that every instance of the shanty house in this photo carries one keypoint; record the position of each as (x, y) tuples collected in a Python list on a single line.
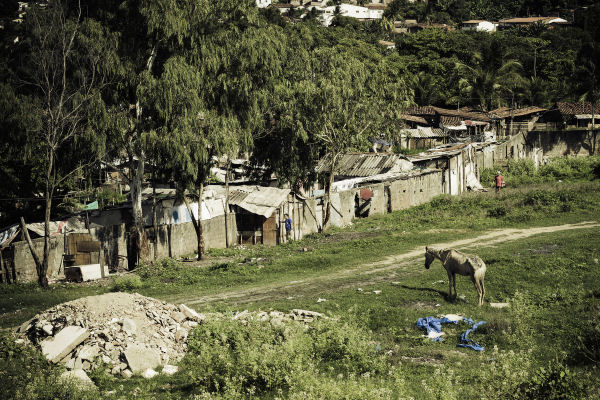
[(508, 121), (422, 138), (259, 214), (567, 116), (478, 25)]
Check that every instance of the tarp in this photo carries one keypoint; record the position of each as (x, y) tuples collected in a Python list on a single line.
[(70, 225), (7, 235), (433, 326), (92, 206)]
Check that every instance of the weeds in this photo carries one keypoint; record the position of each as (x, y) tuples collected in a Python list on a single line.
[(523, 172)]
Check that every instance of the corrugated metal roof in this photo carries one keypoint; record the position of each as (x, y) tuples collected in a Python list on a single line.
[(365, 164), (414, 118), (423, 133), (263, 201), (506, 112)]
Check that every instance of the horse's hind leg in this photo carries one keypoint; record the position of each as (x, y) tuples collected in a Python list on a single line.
[(450, 284), (479, 288)]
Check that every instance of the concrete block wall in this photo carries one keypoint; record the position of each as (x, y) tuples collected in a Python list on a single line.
[(378, 201), (25, 265), (309, 217)]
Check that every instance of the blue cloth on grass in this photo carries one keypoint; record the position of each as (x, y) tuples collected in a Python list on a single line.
[(469, 343), (435, 325)]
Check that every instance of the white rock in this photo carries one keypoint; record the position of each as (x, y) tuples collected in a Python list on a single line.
[(320, 300), (140, 358), (64, 342), (89, 352), (149, 373), (129, 326), (126, 373), (191, 314), (377, 291), (48, 328), (181, 334), (70, 364), (77, 377), (498, 305), (177, 316), (170, 369)]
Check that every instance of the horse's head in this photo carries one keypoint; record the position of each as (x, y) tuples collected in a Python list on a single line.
[(429, 258)]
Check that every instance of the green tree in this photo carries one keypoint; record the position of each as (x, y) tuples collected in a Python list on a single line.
[(65, 66)]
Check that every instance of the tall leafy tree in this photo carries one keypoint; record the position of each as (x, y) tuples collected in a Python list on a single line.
[(64, 67)]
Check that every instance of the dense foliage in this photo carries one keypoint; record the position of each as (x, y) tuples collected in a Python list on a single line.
[(180, 83)]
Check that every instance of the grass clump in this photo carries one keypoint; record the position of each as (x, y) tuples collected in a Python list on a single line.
[(127, 283), (524, 172), (25, 374), (227, 357)]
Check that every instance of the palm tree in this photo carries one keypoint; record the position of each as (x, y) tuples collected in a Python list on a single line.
[(487, 84)]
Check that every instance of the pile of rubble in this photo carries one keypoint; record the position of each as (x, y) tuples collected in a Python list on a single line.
[(129, 333)]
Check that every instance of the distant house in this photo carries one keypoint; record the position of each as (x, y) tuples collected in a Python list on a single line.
[(462, 122), (354, 165), (509, 121), (349, 10), (578, 115), (422, 138), (478, 25), (283, 7), (263, 3), (387, 44), (513, 22)]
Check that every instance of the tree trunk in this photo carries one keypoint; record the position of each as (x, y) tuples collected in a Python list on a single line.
[(154, 216), (329, 185), (137, 176), (36, 259), (227, 204), (42, 269), (197, 223)]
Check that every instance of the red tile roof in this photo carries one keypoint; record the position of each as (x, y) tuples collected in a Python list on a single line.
[(582, 107)]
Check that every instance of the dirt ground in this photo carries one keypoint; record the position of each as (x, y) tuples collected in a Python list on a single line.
[(389, 269)]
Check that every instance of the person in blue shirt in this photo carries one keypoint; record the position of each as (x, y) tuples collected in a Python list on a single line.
[(288, 227)]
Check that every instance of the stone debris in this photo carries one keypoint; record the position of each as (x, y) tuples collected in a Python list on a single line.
[(498, 305), (128, 334), (77, 377), (320, 300), (149, 373), (57, 347), (139, 357), (170, 369), (377, 291)]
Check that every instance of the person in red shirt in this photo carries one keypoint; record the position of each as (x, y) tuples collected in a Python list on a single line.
[(499, 180)]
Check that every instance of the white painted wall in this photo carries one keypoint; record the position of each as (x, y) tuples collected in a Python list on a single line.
[(263, 3)]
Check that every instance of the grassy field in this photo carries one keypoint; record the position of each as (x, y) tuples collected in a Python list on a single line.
[(546, 344)]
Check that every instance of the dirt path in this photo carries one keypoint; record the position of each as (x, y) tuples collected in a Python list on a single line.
[(397, 265)]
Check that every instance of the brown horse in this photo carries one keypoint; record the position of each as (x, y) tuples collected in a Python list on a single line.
[(456, 262)]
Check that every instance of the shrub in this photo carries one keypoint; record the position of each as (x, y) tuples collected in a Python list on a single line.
[(25, 374), (554, 381), (127, 283), (255, 357)]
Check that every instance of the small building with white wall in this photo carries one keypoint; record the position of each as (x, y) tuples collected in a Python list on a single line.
[(478, 25)]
